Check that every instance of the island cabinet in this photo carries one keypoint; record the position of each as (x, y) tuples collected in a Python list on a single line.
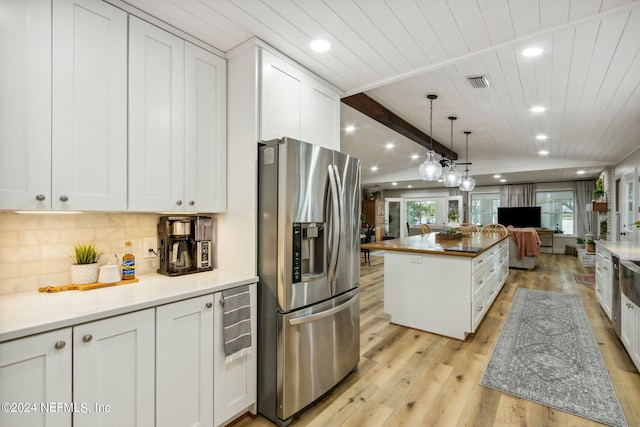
[(603, 276), (444, 292)]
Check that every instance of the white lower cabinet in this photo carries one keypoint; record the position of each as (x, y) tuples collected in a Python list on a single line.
[(235, 382), (36, 370), (184, 363), (114, 371), (630, 328), (603, 279)]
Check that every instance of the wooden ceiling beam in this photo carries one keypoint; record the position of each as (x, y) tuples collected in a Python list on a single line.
[(371, 108)]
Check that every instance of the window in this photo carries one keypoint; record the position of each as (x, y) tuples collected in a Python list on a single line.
[(557, 210), (425, 211), (484, 208)]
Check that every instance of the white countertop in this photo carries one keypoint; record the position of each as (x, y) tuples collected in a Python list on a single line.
[(28, 313), (623, 250)]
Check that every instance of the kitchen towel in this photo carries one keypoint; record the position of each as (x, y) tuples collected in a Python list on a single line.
[(236, 320)]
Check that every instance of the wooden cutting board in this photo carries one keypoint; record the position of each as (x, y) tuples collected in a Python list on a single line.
[(85, 287)]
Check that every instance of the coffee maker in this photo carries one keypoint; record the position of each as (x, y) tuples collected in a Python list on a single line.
[(185, 244)]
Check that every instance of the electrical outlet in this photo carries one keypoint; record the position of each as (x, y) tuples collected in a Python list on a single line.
[(150, 247)]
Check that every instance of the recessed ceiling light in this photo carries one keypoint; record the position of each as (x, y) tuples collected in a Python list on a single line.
[(541, 137), (532, 51), (414, 156), (409, 186), (374, 168), (440, 180), (496, 176), (350, 128), (503, 180), (543, 152), (394, 183), (320, 45), (580, 172), (538, 109), (389, 146)]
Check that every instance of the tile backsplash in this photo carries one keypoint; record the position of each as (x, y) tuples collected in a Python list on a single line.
[(35, 250)]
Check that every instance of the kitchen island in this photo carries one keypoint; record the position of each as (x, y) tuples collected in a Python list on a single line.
[(442, 286)]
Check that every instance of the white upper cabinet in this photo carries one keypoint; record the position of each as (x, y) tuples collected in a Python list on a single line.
[(296, 105), (205, 185), (89, 136), (177, 123), (25, 104), (156, 118)]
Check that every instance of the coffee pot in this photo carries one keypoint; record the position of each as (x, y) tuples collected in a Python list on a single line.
[(185, 244)]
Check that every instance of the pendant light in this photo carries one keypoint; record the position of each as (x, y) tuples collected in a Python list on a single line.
[(430, 169), (467, 183), (452, 177)]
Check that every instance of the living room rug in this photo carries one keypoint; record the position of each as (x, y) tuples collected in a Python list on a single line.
[(585, 279), (546, 352)]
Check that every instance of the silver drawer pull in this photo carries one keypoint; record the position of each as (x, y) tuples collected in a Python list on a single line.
[(87, 338), (321, 315), (480, 308), (60, 345), (209, 304)]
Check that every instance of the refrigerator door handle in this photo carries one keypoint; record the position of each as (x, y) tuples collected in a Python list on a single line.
[(335, 227), (317, 316)]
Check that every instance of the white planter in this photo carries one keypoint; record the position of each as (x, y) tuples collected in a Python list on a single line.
[(82, 274)]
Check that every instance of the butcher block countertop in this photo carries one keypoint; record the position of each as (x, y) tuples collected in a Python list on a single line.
[(467, 246)]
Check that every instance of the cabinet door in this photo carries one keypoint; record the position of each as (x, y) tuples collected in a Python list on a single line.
[(114, 369), (281, 101), (205, 130), (89, 134), (627, 322), (25, 121), (36, 370), (320, 115), (184, 363), (235, 382), (156, 118)]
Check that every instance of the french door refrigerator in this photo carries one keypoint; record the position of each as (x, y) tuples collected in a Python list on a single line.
[(309, 272)]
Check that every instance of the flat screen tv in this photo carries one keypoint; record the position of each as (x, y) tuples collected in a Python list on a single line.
[(520, 216)]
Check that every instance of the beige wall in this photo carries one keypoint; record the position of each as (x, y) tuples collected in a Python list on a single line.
[(35, 249)]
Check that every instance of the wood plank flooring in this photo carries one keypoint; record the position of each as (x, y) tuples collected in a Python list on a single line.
[(408, 377)]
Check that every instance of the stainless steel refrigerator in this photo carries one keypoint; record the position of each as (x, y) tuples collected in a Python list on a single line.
[(309, 270)]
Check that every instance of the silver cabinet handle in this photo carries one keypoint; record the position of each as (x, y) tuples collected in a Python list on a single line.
[(179, 203), (321, 315), (40, 197), (64, 198), (222, 302), (209, 304), (480, 308), (60, 345), (192, 202), (87, 338)]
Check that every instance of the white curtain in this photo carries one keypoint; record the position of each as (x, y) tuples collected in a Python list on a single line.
[(585, 221), (517, 195)]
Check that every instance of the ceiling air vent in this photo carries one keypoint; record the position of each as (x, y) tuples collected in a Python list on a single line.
[(478, 81)]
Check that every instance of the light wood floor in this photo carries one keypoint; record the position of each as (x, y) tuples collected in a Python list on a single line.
[(408, 377)]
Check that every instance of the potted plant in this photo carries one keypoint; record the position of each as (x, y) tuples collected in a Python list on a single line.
[(580, 243), (603, 228), (598, 192), (85, 266), (453, 216), (591, 246)]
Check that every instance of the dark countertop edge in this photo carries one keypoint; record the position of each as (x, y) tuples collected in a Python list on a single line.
[(381, 246)]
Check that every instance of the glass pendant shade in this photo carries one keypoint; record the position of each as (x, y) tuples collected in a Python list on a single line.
[(467, 184), (452, 177), (430, 169)]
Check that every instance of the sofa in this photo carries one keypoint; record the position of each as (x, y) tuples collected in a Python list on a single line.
[(524, 248)]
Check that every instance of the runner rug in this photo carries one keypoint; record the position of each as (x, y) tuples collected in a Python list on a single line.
[(546, 352)]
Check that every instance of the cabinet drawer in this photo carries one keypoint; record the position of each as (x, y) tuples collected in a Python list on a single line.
[(479, 308), (480, 261), (479, 280)]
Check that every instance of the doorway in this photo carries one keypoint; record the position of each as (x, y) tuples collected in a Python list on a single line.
[(392, 220)]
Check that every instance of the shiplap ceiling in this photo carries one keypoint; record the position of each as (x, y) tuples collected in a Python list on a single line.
[(398, 51)]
